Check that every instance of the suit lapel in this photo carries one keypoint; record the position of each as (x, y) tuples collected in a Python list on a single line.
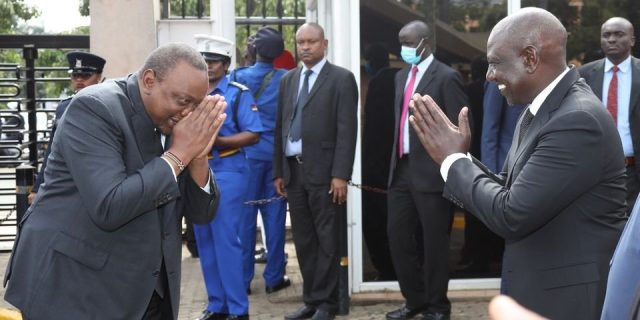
[(635, 85), (141, 125), (550, 104), (596, 78), (320, 80), (427, 77)]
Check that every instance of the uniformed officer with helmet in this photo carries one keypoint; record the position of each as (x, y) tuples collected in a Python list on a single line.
[(263, 80), (220, 242)]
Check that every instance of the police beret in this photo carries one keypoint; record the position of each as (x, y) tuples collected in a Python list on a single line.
[(268, 42), (85, 62), (213, 48)]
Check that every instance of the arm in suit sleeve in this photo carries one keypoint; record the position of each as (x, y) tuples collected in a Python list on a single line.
[(347, 126), (199, 206), (62, 106), (92, 148), (277, 144), (492, 104), (560, 169)]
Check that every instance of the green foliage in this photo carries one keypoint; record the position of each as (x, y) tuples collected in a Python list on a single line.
[(190, 8), (13, 12), (83, 7)]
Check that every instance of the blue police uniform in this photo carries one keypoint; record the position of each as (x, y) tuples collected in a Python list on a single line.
[(219, 242), (259, 161)]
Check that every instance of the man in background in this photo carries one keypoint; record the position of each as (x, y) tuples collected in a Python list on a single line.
[(615, 79), (316, 129), (85, 70), (220, 242), (263, 81)]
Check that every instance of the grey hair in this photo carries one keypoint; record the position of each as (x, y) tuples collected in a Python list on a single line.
[(166, 57)]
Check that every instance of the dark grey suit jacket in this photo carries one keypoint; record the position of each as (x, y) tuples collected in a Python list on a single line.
[(593, 74), (329, 125), (444, 85), (91, 245), (560, 206)]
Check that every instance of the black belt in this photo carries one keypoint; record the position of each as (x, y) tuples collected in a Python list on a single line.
[(297, 158)]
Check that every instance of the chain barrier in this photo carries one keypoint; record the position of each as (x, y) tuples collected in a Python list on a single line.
[(6, 218), (260, 202)]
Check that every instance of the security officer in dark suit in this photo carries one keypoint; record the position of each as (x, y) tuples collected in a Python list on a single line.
[(263, 81), (220, 242), (85, 70)]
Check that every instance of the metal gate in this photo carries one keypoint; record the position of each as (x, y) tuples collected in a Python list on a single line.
[(26, 114)]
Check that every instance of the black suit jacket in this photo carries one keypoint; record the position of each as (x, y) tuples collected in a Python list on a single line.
[(92, 244), (560, 206), (329, 125), (444, 85), (593, 74)]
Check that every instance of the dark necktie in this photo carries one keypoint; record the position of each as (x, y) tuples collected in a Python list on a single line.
[(295, 133), (612, 96), (524, 124)]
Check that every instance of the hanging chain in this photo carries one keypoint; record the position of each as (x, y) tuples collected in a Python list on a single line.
[(260, 202)]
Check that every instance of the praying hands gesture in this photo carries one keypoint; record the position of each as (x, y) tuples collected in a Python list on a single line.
[(437, 134)]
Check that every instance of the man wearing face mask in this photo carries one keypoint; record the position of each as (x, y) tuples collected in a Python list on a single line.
[(415, 186)]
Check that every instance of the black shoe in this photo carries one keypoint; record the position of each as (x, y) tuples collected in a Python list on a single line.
[(435, 316), (237, 317), (285, 282), (248, 291), (403, 313), (322, 315), (260, 257), (208, 315), (304, 312)]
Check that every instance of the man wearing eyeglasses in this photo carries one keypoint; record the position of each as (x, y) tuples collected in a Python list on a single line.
[(85, 70)]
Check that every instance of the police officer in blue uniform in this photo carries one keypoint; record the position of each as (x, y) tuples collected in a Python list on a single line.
[(263, 81), (85, 70), (220, 241)]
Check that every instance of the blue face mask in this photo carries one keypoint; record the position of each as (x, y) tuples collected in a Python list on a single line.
[(368, 68), (410, 55)]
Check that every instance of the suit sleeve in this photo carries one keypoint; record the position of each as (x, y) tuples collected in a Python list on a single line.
[(277, 145), (199, 206), (560, 169), (92, 147), (347, 127), (492, 104)]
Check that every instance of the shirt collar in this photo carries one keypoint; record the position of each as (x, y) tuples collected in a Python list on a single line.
[(222, 86), (623, 66), (424, 64), (542, 96), (316, 68)]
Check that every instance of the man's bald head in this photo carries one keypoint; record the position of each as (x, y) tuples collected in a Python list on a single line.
[(533, 43), (616, 39)]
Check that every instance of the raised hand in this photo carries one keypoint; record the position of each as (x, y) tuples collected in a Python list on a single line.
[(194, 134), (437, 134)]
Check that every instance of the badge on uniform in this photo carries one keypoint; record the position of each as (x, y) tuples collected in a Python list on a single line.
[(254, 108)]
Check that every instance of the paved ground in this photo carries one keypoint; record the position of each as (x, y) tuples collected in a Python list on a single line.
[(466, 306)]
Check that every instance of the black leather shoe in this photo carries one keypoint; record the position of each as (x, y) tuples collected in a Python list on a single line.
[(322, 315), (208, 315), (237, 317), (304, 312), (403, 313), (435, 316), (285, 282)]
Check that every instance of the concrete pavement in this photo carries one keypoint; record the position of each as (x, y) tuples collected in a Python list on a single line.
[(465, 305)]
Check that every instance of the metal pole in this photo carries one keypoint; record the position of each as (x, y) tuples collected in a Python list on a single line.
[(24, 183), (30, 54)]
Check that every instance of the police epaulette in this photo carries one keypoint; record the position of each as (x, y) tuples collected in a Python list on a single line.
[(239, 85)]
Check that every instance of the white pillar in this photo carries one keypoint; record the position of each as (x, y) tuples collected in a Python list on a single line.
[(223, 13), (513, 6), (110, 20)]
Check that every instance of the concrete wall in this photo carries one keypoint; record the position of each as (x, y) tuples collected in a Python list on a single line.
[(124, 33)]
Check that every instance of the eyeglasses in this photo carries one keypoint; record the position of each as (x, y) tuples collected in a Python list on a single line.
[(81, 75)]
